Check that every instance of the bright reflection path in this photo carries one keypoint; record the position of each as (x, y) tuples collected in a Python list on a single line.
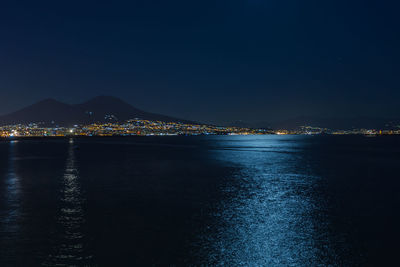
[(266, 216), (71, 218), (11, 199)]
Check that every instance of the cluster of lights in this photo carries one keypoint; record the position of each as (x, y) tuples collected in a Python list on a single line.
[(147, 127), (130, 127)]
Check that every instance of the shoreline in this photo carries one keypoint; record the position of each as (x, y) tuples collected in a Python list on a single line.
[(15, 138)]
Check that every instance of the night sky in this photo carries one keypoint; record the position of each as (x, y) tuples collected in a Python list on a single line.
[(206, 60)]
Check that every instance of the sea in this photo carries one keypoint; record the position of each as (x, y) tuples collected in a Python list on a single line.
[(200, 201)]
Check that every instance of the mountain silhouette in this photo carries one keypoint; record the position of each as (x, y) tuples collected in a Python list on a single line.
[(339, 123), (99, 109), (333, 123)]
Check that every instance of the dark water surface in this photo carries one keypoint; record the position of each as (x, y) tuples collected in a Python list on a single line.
[(222, 200)]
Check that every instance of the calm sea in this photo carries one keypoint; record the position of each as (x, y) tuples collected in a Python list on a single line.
[(220, 200)]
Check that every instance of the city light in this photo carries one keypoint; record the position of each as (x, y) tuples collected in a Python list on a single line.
[(139, 127)]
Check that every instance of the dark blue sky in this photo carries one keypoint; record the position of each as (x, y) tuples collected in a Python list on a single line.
[(205, 60)]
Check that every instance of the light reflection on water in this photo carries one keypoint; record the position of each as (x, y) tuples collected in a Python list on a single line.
[(200, 201), (11, 215), (70, 247), (266, 217)]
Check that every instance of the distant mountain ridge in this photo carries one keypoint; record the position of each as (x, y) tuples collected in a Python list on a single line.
[(339, 123), (111, 109), (333, 123), (98, 109)]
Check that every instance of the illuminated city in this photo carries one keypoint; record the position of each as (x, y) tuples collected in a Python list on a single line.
[(139, 127), (129, 128)]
